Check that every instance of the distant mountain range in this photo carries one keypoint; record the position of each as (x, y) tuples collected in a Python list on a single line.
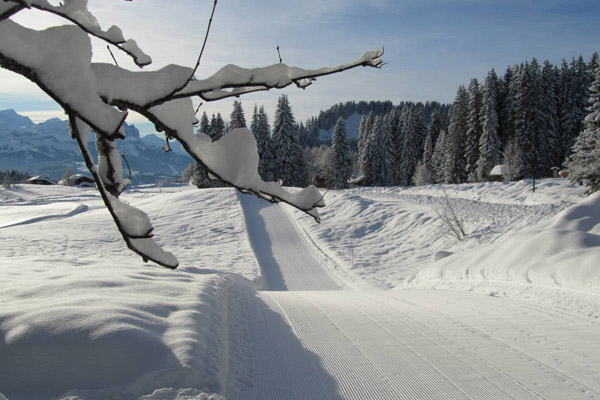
[(47, 149)]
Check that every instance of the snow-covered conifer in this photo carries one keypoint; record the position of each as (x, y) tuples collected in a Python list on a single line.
[(412, 147), (549, 112), (365, 130), (439, 158), (454, 170), (474, 131), (286, 150), (340, 156), (262, 133), (489, 142), (377, 153), (237, 118), (204, 124), (584, 162), (506, 123), (98, 95)]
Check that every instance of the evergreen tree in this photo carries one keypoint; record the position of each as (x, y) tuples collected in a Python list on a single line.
[(439, 158), (549, 109), (528, 122), (454, 171), (204, 124), (489, 142), (389, 126), (575, 82), (474, 131), (412, 148), (364, 134), (262, 133), (376, 157), (340, 156), (593, 64), (564, 106), (506, 121), (425, 170), (584, 162), (435, 126), (217, 127), (287, 154), (237, 118)]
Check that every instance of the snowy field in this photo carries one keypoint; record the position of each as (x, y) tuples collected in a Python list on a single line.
[(263, 305)]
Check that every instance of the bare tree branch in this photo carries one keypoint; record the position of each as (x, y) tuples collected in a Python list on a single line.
[(203, 44)]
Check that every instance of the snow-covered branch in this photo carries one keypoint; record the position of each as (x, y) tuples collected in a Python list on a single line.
[(274, 76), (98, 95), (8, 9), (76, 12)]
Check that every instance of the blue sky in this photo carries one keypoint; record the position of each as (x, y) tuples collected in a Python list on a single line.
[(431, 46)]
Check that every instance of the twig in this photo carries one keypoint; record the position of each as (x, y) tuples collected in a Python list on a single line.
[(127, 163), (203, 44), (112, 55), (279, 54), (198, 108)]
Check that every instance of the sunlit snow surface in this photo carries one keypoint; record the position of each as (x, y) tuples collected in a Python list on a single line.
[(81, 316), (77, 308)]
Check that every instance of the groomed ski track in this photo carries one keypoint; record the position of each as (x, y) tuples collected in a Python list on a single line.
[(311, 340)]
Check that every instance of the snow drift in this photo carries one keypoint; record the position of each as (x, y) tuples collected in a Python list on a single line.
[(563, 252)]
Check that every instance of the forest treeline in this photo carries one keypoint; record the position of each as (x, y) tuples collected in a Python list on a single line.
[(527, 119)]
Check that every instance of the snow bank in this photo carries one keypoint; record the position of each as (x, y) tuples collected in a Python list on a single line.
[(81, 317), (547, 191), (563, 252), (379, 237)]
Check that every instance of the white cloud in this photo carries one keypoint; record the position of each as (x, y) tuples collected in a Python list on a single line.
[(38, 116)]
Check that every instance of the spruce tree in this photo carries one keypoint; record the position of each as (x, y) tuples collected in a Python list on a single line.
[(564, 106), (439, 158), (412, 150), (474, 131), (287, 154), (204, 124), (549, 109), (340, 156), (584, 162), (506, 125), (435, 126), (376, 157), (425, 167), (454, 171), (262, 133), (489, 142), (237, 118), (365, 130), (389, 127)]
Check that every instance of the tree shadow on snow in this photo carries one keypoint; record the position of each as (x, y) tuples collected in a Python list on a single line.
[(280, 366), (260, 241)]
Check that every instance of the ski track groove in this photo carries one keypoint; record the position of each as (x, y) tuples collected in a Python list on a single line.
[(311, 342), (487, 375), (519, 355), (409, 387)]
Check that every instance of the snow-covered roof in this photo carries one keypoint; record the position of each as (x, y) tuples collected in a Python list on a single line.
[(497, 170)]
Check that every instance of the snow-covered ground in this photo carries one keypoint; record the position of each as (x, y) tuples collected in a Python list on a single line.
[(518, 241), (78, 310), (83, 318)]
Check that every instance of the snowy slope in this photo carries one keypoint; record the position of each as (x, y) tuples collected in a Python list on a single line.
[(82, 317), (79, 313), (562, 252)]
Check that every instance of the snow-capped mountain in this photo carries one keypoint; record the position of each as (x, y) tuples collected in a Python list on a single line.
[(48, 149)]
